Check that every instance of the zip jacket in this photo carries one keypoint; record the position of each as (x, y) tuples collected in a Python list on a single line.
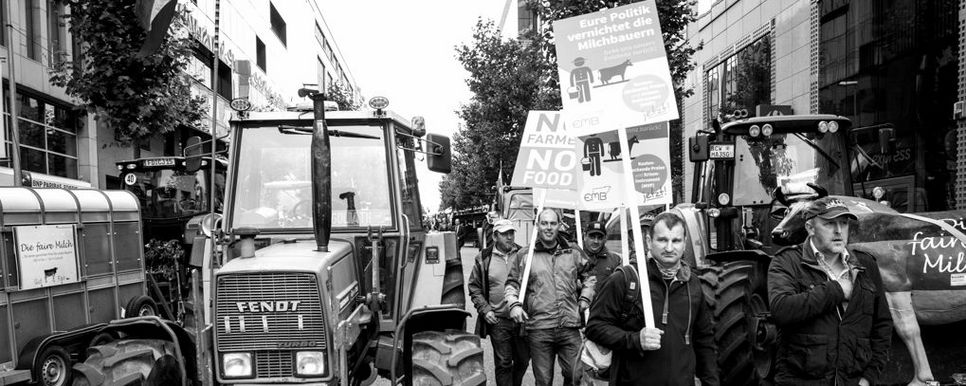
[(821, 341), (687, 345), (479, 286), (560, 277)]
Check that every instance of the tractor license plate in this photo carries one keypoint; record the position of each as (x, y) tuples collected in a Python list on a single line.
[(725, 151)]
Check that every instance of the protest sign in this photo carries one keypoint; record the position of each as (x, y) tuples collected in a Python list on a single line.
[(613, 69), (47, 255), (546, 158), (601, 176)]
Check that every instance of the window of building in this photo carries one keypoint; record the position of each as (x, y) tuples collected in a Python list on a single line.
[(526, 19), (48, 137), (31, 31), (260, 54), (741, 81), (328, 51), (278, 24), (320, 73), (319, 36), (56, 31), (3, 26)]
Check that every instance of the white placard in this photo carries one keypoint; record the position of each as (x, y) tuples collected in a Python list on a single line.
[(47, 255)]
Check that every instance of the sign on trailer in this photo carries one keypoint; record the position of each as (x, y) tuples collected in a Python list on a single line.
[(47, 255)]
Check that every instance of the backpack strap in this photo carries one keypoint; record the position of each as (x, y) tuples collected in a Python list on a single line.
[(633, 290)]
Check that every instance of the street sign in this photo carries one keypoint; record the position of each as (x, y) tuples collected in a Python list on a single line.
[(613, 69), (546, 158)]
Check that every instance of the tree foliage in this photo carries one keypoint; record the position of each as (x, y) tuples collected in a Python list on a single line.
[(138, 97), (508, 78), (340, 93), (494, 65)]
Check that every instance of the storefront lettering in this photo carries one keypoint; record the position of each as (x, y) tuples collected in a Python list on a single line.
[(200, 33), (260, 84)]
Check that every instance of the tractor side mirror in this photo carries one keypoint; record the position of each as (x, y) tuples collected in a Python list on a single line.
[(192, 152), (698, 148), (439, 159)]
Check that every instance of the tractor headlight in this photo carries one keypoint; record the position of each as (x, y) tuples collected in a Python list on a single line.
[(767, 129), (309, 363), (237, 364), (823, 127), (724, 199), (833, 126), (754, 130)]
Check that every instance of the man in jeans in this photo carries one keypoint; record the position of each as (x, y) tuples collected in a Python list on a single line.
[(511, 354), (560, 288)]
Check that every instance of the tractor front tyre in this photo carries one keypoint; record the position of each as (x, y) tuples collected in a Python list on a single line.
[(129, 362), (728, 293), (447, 358)]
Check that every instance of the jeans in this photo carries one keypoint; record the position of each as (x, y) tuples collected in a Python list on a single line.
[(511, 354), (544, 344)]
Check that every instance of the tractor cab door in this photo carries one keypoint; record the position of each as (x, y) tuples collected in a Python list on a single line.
[(414, 234)]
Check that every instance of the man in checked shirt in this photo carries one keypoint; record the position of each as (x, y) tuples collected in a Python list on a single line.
[(828, 303)]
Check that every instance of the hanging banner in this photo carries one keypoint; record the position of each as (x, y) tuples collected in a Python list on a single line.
[(546, 158), (613, 69)]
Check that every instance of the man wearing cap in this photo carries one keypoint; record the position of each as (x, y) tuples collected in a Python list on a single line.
[(511, 353), (829, 305), (602, 260)]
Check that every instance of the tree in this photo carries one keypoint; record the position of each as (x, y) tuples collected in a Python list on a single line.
[(137, 96), (508, 78), (340, 93)]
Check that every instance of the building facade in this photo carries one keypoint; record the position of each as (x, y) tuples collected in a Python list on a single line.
[(268, 49), (892, 67)]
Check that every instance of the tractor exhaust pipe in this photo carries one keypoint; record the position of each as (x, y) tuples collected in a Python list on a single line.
[(321, 175)]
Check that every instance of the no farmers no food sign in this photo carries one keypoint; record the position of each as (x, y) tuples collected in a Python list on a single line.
[(547, 158)]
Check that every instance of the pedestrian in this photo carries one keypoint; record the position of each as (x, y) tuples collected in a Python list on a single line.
[(602, 260), (511, 353), (681, 345), (827, 300), (559, 290)]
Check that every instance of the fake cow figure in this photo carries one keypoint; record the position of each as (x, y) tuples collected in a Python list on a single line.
[(919, 256)]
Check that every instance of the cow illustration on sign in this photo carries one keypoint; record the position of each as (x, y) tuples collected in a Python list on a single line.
[(608, 73), (581, 77), (593, 151), (615, 148)]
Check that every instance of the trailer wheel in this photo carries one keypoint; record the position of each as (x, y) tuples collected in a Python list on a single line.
[(447, 358), (127, 362), (453, 284), (141, 306), (53, 367), (728, 292)]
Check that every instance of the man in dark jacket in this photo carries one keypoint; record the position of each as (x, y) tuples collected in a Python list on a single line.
[(829, 305), (559, 289), (603, 260), (681, 346), (511, 354)]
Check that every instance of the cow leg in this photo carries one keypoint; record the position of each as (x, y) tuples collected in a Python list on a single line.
[(906, 325)]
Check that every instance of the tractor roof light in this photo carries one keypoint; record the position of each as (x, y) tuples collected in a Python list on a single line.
[(754, 130), (822, 127), (833, 126), (767, 129)]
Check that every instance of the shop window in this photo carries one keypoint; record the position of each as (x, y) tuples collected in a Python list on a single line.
[(48, 137)]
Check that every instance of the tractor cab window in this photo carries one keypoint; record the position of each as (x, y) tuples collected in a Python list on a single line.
[(788, 160), (407, 183), (274, 185), (168, 193)]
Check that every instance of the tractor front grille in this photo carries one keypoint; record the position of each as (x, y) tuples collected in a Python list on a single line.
[(254, 313)]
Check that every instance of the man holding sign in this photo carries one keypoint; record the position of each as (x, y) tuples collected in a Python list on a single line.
[(559, 289), (681, 346)]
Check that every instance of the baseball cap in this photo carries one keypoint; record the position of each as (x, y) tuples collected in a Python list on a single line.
[(596, 227), (828, 208), (503, 226)]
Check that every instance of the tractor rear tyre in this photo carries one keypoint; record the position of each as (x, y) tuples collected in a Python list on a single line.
[(447, 358), (128, 362), (453, 292), (727, 290)]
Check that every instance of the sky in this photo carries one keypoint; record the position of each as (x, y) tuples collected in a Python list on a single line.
[(405, 51)]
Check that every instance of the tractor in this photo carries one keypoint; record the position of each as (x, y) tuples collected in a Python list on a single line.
[(321, 272)]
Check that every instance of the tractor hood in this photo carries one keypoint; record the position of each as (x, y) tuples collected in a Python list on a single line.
[(301, 256)]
